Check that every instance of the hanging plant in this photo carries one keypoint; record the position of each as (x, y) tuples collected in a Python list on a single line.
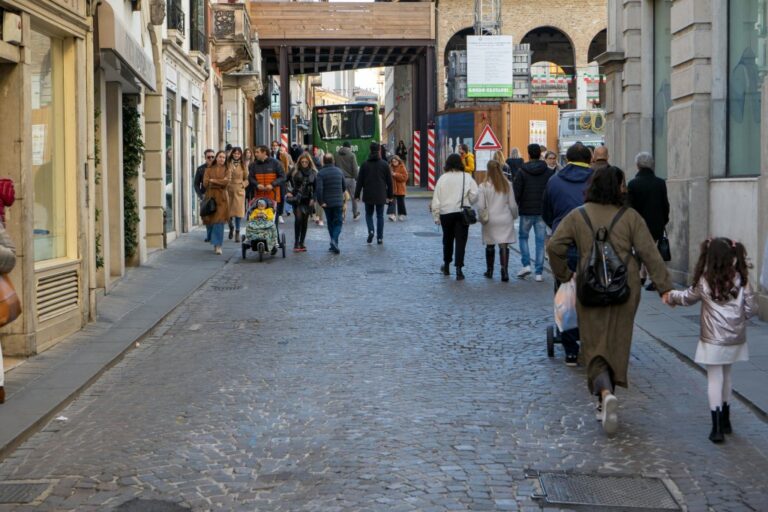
[(133, 154)]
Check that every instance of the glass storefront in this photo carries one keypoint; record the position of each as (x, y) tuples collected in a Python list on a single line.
[(48, 158), (744, 86), (662, 73), (193, 149), (170, 124)]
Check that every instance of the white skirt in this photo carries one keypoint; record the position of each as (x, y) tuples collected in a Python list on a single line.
[(708, 353)]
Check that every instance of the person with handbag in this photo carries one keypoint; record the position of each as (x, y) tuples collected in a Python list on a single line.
[(215, 210), (497, 211), (606, 331), (454, 192), (302, 191), (7, 262), (647, 194)]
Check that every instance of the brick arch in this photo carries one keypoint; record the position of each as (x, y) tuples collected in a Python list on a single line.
[(552, 44), (597, 45), (458, 41)]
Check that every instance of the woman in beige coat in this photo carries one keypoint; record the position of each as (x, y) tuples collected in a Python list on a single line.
[(7, 262), (606, 332), (238, 180), (215, 181)]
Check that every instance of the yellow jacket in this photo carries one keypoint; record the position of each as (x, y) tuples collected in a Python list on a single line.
[(268, 213), (469, 162)]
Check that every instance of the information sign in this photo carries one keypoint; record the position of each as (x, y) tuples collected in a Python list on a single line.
[(490, 66)]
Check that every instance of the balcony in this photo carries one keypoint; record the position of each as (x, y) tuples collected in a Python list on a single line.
[(176, 21), (232, 44), (198, 41)]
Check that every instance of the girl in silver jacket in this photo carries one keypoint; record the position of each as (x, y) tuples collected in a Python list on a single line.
[(721, 283)]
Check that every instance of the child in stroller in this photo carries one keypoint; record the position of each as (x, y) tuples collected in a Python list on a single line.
[(261, 227)]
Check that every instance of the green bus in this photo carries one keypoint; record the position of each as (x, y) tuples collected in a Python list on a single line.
[(356, 123)]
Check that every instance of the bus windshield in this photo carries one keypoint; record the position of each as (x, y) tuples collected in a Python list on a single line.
[(346, 123)]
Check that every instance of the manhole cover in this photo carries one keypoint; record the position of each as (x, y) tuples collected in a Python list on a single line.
[(227, 288), (140, 505), (21, 492), (427, 233), (624, 492)]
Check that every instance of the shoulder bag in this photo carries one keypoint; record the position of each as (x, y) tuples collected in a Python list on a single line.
[(10, 307), (663, 245), (208, 208), (468, 214)]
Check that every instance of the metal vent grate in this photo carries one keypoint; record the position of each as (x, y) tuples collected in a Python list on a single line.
[(21, 492), (57, 294), (624, 492)]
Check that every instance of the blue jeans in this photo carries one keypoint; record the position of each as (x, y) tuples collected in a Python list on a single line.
[(379, 218), (217, 234), (540, 231), (333, 219), (208, 229)]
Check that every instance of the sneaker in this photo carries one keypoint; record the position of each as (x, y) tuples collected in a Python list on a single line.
[(217, 250), (320, 223), (356, 216), (281, 219), (610, 414), (302, 248), (539, 278), (571, 360), (392, 217), (296, 248), (401, 218), (370, 237), (524, 272), (379, 241)]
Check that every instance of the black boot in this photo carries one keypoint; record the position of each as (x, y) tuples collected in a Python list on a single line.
[(725, 419), (716, 436), (446, 269), (459, 274), (504, 260), (231, 229), (490, 256)]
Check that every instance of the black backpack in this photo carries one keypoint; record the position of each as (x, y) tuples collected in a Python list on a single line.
[(604, 280)]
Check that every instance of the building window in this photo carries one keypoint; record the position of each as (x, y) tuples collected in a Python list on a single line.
[(662, 73), (48, 148), (170, 125), (744, 87)]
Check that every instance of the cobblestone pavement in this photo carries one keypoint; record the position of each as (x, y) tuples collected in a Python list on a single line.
[(368, 381)]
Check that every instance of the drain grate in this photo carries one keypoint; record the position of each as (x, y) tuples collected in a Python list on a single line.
[(21, 492), (624, 492), (140, 505), (427, 233)]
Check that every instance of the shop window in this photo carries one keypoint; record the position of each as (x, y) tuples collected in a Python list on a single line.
[(170, 159), (662, 73), (744, 86), (48, 148)]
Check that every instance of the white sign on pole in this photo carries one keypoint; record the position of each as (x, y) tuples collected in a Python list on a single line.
[(229, 121), (482, 157), (537, 132), (490, 71)]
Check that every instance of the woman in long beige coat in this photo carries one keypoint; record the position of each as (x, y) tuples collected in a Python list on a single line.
[(238, 180), (606, 332), (216, 181)]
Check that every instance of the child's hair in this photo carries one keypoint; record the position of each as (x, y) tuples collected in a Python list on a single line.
[(261, 203), (719, 262)]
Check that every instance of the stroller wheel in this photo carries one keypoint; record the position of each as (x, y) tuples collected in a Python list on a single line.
[(261, 255), (282, 243), (551, 341), (245, 249)]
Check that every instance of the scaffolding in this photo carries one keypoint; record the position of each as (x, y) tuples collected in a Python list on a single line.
[(487, 17)]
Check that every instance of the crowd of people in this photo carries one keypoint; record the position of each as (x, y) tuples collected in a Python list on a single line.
[(608, 237)]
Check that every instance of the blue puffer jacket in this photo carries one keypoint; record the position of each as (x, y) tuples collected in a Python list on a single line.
[(565, 191), (329, 186)]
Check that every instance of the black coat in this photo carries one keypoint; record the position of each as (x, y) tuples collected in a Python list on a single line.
[(198, 183), (514, 165), (374, 181), (647, 194), (529, 184)]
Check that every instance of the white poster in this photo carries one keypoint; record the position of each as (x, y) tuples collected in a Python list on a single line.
[(537, 132), (482, 157), (490, 71), (38, 144)]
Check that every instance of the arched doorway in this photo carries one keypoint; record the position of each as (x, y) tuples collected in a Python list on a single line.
[(455, 62), (553, 67), (595, 79)]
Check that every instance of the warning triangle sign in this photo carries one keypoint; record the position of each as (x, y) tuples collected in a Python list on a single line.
[(487, 140)]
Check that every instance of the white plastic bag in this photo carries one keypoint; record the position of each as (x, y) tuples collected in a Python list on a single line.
[(565, 306), (764, 270)]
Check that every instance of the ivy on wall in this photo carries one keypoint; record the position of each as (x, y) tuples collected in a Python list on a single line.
[(133, 154)]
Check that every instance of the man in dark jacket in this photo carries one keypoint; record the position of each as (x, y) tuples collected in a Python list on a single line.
[(329, 193), (375, 183), (200, 189), (529, 184), (647, 194), (347, 162), (564, 192)]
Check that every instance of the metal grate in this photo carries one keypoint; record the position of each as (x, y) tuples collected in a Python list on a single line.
[(20, 492), (624, 492), (57, 294), (140, 505)]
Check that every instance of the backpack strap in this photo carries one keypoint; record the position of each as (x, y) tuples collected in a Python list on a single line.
[(616, 219), (583, 212)]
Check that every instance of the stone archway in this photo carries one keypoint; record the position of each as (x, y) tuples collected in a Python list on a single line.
[(553, 69), (596, 85)]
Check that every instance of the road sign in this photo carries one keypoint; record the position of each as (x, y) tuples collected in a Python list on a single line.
[(487, 140)]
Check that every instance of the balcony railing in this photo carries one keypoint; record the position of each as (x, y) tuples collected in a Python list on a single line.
[(175, 16), (199, 41)]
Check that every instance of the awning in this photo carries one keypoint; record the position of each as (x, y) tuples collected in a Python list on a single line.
[(115, 38)]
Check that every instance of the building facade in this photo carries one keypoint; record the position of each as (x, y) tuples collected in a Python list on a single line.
[(687, 81)]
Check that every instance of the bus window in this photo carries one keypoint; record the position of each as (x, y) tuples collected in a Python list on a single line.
[(349, 124)]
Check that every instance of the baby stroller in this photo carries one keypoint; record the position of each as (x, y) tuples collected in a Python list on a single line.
[(262, 234)]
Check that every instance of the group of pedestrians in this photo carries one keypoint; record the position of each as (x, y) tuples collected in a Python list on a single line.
[(588, 206)]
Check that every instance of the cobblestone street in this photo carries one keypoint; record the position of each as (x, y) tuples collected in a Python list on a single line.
[(369, 381)]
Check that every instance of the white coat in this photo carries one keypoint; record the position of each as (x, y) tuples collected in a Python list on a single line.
[(502, 212)]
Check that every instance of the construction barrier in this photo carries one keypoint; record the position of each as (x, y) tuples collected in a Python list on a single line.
[(431, 178), (417, 158)]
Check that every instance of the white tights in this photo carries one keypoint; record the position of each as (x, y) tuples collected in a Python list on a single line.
[(718, 384)]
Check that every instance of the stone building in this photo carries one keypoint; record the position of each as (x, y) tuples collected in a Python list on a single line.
[(687, 81)]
